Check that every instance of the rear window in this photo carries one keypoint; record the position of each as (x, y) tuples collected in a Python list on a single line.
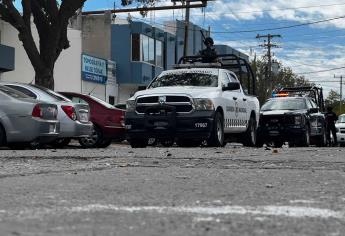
[(57, 96), (12, 92)]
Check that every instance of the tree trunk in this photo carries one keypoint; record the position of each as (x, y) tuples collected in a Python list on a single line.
[(45, 78)]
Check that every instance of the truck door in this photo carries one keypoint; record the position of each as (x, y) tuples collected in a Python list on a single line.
[(228, 104), (241, 108)]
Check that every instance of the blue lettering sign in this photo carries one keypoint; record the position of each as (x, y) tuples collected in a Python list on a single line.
[(94, 69)]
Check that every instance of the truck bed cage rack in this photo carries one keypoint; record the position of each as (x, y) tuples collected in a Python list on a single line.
[(315, 92), (230, 62)]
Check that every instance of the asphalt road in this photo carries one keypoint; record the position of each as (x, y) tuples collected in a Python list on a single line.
[(173, 191)]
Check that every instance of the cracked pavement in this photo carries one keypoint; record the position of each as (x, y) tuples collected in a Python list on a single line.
[(173, 191)]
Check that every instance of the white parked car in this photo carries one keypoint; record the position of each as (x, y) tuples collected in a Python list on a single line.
[(340, 126)]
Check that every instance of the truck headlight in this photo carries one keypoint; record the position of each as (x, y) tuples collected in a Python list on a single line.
[(203, 104), (130, 105), (298, 120)]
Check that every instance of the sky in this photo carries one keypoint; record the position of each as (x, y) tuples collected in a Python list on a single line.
[(312, 32)]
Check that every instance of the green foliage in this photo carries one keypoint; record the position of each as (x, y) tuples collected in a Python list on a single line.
[(284, 78), (140, 3), (333, 101)]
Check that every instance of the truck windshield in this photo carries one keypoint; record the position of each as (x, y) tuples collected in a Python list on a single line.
[(284, 104), (185, 79)]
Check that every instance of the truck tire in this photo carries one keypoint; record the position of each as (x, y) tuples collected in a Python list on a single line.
[(2, 136), (321, 140), (216, 138), (305, 141), (249, 138), (138, 142)]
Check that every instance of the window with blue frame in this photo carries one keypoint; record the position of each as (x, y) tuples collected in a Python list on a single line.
[(145, 49)]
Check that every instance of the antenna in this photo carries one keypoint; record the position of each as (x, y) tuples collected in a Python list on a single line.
[(114, 15), (92, 89)]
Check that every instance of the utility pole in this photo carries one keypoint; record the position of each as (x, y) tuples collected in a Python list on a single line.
[(341, 91), (186, 29), (269, 45)]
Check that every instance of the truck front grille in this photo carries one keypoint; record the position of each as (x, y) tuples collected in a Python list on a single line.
[(182, 104)]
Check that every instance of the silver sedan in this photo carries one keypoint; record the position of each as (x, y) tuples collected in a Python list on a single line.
[(24, 120), (73, 117)]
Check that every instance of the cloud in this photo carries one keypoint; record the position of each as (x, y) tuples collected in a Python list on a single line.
[(248, 10)]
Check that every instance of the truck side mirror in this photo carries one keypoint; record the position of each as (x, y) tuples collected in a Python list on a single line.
[(232, 86), (314, 110)]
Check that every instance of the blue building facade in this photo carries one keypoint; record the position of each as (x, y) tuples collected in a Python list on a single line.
[(142, 51), (6, 58)]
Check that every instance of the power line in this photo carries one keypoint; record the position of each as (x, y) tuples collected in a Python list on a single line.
[(319, 71), (277, 28), (294, 8)]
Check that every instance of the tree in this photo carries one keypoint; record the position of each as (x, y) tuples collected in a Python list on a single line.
[(284, 78), (332, 100), (51, 18)]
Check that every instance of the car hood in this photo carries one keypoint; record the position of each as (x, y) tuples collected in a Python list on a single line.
[(340, 125), (282, 112), (195, 92)]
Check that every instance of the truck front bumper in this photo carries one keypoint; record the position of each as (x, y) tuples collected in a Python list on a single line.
[(287, 133), (194, 125)]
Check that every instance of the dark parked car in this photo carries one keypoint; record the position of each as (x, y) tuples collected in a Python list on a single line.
[(108, 121), (296, 120)]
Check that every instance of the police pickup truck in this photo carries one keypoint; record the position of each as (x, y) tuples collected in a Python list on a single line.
[(196, 103)]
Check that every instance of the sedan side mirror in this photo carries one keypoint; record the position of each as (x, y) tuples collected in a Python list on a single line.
[(232, 86)]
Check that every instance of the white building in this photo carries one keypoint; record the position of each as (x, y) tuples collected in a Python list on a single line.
[(68, 67)]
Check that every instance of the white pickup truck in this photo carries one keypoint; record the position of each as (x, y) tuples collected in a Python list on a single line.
[(191, 106)]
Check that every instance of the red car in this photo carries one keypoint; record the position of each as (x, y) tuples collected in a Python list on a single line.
[(108, 121)]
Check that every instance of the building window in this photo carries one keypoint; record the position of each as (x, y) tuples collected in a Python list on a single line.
[(159, 53), (112, 100), (135, 47), (144, 49), (147, 49)]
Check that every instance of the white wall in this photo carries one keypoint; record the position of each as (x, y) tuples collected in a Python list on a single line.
[(126, 91), (67, 70), (94, 89)]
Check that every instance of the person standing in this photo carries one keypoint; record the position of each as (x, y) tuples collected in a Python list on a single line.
[(330, 119), (209, 54)]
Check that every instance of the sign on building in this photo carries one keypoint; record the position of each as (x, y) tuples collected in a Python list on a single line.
[(93, 69)]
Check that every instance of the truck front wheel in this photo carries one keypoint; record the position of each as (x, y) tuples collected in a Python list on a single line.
[(216, 138), (249, 137)]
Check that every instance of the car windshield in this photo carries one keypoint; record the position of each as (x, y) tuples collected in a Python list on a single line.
[(51, 93), (284, 104), (12, 92), (341, 119), (185, 79), (107, 105)]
